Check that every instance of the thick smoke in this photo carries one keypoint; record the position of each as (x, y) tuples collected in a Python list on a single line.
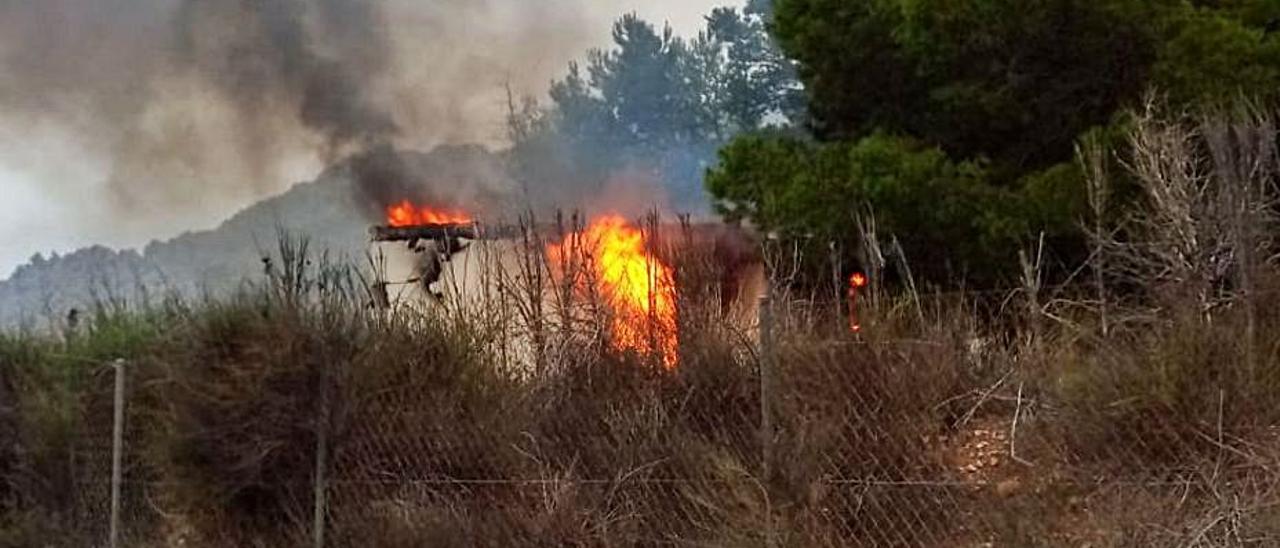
[(262, 54), (191, 108), (322, 60)]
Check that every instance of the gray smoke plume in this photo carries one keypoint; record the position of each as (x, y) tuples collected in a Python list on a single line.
[(140, 118), (177, 90), (272, 54), (323, 59)]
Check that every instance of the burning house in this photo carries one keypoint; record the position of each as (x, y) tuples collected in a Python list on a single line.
[(647, 277)]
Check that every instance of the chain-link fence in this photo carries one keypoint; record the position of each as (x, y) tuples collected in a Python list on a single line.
[(298, 416), (796, 440)]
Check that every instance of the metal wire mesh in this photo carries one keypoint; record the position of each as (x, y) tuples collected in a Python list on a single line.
[(863, 453), (803, 439), (80, 496)]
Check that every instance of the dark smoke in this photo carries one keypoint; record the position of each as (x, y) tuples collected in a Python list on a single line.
[(183, 110), (275, 57), (384, 176), (466, 177)]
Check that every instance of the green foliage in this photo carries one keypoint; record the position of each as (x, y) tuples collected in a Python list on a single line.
[(52, 393), (990, 98), (1010, 80), (1261, 14), (804, 189), (747, 78), (657, 105), (639, 86), (1217, 58)]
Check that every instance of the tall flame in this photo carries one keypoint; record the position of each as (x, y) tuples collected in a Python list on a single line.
[(639, 287), (406, 213)]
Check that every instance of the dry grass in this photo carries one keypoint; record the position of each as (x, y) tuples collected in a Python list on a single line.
[(1162, 428), (434, 436)]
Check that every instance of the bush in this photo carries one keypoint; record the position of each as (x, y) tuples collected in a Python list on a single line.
[(1163, 399), (940, 209)]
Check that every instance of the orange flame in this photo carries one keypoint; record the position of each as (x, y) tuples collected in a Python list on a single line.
[(407, 214), (857, 281), (639, 287)]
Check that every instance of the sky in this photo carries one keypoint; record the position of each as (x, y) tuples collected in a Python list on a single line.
[(104, 141)]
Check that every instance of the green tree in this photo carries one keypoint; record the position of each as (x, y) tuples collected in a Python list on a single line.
[(1217, 55), (1000, 90), (1014, 81), (1261, 14), (640, 85), (747, 77), (812, 191), (658, 104)]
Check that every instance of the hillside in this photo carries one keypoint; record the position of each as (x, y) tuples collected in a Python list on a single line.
[(327, 210)]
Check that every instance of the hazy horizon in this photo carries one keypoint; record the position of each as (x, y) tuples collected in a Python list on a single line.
[(64, 149)]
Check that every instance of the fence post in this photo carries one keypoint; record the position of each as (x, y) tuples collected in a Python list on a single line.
[(322, 457), (117, 453), (766, 411)]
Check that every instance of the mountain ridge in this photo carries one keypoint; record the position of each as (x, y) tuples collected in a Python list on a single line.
[(327, 210)]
